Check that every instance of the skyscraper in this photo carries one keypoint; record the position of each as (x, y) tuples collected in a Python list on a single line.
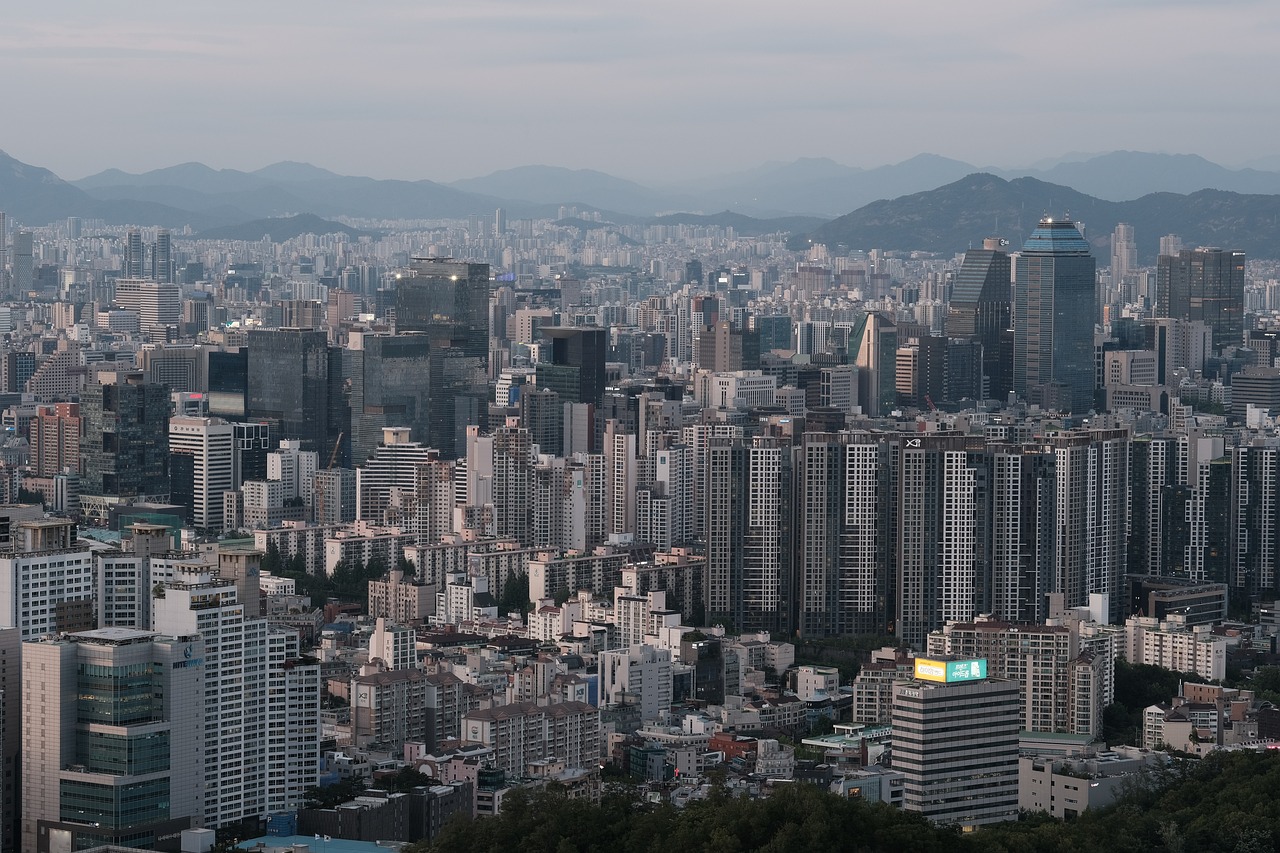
[(1124, 253), (23, 263), (388, 380), (1054, 312), (208, 448), (846, 535), (289, 385), (162, 257), (576, 367), (135, 265), (125, 449), (449, 301), (980, 310), (1205, 284), (938, 535), (751, 532)]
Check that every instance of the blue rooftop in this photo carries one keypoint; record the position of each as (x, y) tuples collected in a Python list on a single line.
[(1056, 236)]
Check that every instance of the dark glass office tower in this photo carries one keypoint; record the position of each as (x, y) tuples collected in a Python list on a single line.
[(228, 380), (288, 382), (449, 301), (576, 369), (1204, 284), (125, 449), (387, 377), (1054, 309), (980, 310)]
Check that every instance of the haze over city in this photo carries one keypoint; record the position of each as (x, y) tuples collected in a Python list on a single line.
[(707, 427), (659, 91)]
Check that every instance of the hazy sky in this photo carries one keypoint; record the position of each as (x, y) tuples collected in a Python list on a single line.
[(648, 90)]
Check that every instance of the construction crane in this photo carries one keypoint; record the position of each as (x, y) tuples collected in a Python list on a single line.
[(318, 507), (334, 455)]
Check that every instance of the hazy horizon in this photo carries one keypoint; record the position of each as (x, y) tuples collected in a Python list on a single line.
[(660, 93)]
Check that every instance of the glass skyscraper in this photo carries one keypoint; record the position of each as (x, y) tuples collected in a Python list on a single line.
[(449, 301), (1204, 284), (979, 310), (1054, 310)]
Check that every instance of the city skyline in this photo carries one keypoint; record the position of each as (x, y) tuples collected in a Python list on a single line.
[(434, 93)]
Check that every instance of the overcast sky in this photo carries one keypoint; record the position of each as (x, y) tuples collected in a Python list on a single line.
[(648, 90)]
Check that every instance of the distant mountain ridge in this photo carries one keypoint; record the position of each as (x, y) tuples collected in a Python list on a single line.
[(807, 186), (1202, 201), (951, 218), (282, 229)]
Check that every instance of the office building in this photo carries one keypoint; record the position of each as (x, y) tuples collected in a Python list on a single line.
[(289, 386), (1054, 318), (388, 380), (162, 269), (449, 301), (157, 304), (980, 310), (955, 741), (113, 734), (23, 260), (575, 369), (55, 439), (135, 255), (1124, 253), (205, 470), (125, 449), (1204, 284)]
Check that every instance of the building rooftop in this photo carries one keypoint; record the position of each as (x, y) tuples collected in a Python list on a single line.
[(112, 636), (305, 843)]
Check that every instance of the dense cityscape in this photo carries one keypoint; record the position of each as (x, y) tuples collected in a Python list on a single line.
[(350, 536)]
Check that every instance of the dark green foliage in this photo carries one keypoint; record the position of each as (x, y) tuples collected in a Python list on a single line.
[(795, 819), (1137, 687), (349, 582), (515, 595), (846, 654), (1265, 683), (1226, 802)]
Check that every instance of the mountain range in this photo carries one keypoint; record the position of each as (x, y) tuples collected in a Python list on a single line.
[(892, 205), (958, 215)]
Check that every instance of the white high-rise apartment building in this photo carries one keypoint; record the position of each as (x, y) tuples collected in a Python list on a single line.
[(294, 467), (386, 484), (638, 675), (293, 721), (259, 717), (47, 583)]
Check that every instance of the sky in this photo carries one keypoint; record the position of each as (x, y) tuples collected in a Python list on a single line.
[(656, 91)]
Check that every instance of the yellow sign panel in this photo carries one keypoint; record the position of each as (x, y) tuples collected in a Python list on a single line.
[(931, 670), (949, 671)]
